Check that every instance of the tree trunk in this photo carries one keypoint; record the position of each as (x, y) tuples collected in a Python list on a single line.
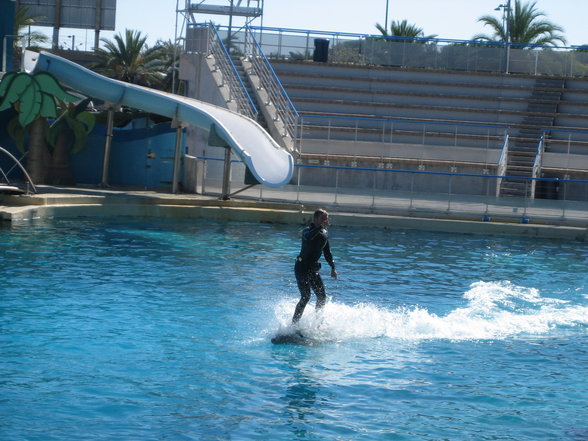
[(38, 155), (60, 172)]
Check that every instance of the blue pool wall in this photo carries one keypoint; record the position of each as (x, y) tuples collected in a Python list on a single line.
[(142, 155)]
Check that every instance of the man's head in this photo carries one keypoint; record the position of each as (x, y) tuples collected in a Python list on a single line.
[(321, 217)]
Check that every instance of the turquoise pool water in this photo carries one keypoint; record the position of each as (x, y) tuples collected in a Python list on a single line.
[(160, 330)]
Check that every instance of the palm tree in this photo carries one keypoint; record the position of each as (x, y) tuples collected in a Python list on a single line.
[(167, 52), (403, 29), (129, 59), (25, 37), (22, 22), (526, 25)]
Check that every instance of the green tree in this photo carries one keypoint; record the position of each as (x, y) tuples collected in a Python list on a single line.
[(31, 39), (129, 59), (403, 29), (526, 25), (168, 54)]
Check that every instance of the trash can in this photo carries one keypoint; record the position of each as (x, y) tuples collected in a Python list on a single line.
[(321, 50)]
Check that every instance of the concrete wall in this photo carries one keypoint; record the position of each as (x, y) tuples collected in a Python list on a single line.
[(404, 151), (204, 82)]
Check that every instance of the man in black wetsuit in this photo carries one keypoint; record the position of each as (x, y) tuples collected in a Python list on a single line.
[(315, 241)]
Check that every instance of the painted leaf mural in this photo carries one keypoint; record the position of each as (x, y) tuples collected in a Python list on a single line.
[(32, 95)]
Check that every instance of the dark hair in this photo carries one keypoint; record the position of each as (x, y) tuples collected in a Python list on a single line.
[(318, 213)]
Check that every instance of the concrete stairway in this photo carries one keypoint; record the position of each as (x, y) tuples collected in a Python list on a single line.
[(249, 87), (541, 112)]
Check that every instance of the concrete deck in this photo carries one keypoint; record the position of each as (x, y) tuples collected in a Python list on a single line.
[(277, 206)]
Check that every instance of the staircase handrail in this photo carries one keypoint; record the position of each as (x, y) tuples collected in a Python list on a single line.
[(537, 165), (502, 163), (268, 80), (230, 75), (17, 162)]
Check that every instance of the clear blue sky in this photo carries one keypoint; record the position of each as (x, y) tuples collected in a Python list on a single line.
[(452, 19)]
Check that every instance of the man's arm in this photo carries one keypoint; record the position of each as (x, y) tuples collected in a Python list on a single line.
[(329, 259)]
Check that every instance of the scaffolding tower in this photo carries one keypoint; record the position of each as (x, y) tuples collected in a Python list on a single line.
[(191, 10)]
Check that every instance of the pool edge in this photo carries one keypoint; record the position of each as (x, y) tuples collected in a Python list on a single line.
[(29, 208)]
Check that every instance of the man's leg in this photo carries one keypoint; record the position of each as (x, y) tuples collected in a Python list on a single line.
[(304, 287), (316, 282)]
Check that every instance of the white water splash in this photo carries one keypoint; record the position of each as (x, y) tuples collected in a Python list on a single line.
[(492, 310)]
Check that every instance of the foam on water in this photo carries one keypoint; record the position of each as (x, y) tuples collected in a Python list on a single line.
[(492, 310)]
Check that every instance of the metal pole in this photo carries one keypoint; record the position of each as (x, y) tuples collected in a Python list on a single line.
[(386, 19), (373, 207), (204, 168), (230, 27), (336, 187), (57, 24), (227, 175), (261, 25), (411, 191), (508, 15), (178, 152), (449, 193), (107, 145), (486, 217), (563, 206), (175, 49), (4, 49), (298, 186)]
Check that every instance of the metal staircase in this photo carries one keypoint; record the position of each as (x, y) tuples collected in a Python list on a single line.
[(245, 80), (541, 110)]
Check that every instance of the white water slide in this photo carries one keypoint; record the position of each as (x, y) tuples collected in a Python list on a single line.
[(268, 162)]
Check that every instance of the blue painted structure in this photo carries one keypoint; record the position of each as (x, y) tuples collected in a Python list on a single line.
[(139, 157), (6, 31)]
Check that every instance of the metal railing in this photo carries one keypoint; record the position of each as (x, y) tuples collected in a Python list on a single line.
[(268, 80), (410, 192), (569, 141), (432, 53), (502, 164), (230, 75), (17, 164), (405, 131), (537, 164)]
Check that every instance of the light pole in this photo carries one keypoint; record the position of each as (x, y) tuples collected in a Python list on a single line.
[(507, 35), (386, 19), (230, 27), (506, 26)]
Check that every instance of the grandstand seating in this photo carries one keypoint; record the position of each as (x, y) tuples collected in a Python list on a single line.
[(459, 97), (373, 107)]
